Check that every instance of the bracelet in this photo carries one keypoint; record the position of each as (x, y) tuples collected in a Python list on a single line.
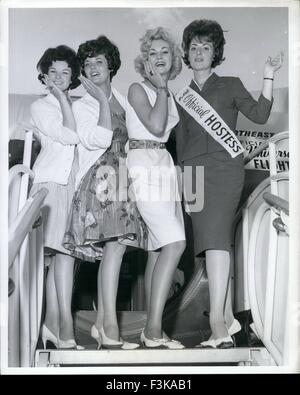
[(272, 79), (165, 89)]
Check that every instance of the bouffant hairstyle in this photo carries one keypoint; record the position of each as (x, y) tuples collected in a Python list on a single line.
[(101, 46), (158, 34), (63, 53), (212, 31)]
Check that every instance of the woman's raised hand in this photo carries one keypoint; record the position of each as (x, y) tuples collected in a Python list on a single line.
[(93, 89), (59, 94), (153, 76), (272, 65)]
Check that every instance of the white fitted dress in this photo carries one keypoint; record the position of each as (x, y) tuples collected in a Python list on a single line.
[(154, 179)]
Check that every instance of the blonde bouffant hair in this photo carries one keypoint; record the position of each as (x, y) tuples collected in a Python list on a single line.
[(159, 33)]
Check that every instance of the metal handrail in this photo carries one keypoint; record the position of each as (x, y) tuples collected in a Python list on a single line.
[(264, 145), (23, 223), (19, 169), (26, 263), (277, 202)]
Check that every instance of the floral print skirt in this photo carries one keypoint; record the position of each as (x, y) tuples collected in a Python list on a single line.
[(102, 210)]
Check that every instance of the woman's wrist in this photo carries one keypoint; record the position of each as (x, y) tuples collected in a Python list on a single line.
[(268, 76), (163, 89), (103, 100), (62, 98)]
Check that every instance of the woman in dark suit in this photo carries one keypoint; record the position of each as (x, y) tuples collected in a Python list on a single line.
[(205, 137)]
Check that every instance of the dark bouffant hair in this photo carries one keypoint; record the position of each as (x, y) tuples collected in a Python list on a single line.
[(208, 29), (63, 53), (101, 46)]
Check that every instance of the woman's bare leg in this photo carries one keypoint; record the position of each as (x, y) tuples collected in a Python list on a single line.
[(64, 275), (111, 264), (160, 286), (151, 261), (100, 312), (228, 311), (217, 267), (52, 310)]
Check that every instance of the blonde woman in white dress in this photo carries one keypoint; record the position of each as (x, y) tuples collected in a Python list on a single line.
[(151, 114)]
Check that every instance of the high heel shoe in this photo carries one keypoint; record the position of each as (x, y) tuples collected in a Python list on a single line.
[(69, 344), (224, 342), (47, 335), (164, 342), (211, 343), (234, 328), (221, 343), (96, 335), (111, 343)]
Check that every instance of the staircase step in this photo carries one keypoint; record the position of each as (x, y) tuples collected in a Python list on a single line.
[(141, 357), (131, 325)]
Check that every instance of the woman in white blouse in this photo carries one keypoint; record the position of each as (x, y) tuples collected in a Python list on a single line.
[(55, 169)]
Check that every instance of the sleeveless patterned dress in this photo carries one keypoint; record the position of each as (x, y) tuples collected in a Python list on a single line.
[(102, 208)]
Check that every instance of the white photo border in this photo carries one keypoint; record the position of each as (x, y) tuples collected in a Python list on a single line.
[(294, 106)]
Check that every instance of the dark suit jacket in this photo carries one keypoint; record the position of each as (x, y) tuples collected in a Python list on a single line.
[(228, 96)]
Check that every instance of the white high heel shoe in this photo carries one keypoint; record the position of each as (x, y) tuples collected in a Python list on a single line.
[(210, 343), (108, 343), (96, 335), (47, 335), (223, 342), (69, 344), (164, 342), (234, 328)]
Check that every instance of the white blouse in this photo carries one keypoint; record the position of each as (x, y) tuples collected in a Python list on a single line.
[(55, 159)]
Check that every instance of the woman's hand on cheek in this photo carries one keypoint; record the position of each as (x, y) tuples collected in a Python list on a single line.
[(153, 76), (49, 84), (56, 92), (93, 89)]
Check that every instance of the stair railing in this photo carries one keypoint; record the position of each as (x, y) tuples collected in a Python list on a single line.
[(278, 226), (26, 262)]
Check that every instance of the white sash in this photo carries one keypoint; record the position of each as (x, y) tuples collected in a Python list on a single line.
[(210, 120)]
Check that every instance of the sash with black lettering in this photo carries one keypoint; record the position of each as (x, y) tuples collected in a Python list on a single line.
[(210, 120)]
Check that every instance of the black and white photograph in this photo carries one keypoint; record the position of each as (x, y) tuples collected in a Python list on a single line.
[(149, 159)]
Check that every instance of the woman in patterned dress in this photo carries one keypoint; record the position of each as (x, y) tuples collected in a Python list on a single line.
[(103, 218)]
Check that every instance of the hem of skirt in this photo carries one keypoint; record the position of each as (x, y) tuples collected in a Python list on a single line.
[(212, 247), (121, 238), (165, 243), (79, 252), (48, 250)]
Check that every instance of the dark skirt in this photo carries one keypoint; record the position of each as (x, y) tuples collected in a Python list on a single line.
[(223, 184)]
